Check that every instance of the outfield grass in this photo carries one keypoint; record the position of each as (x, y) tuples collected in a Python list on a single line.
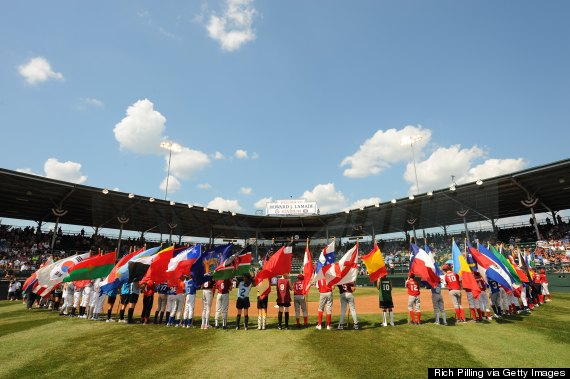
[(39, 343)]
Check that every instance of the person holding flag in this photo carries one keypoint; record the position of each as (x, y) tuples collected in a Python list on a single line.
[(283, 301), (325, 303), (190, 290), (385, 296), (483, 301), (242, 302), (453, 285), (347, 298), (299, 301), (111, 298), (147, 288), (495, 298), (263, 290), (223, 287), (413, 287), (162, 290)]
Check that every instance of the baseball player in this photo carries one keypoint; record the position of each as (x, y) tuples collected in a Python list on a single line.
[(414, 299), (242, 302), (438, 307), (190, 290), (385, 296), (77, 294), (162, 290), (99, 300), (175, 303), (454, 287), (544, 284), (325, 303), (207, 296), (483, 311), (300, 302), (222, 302), (283, 301), (134, 292), (147, 288), (68, 290), (347, 298), (85, 299), (495, 298), (261, 310), (125, 293), (111, 298)]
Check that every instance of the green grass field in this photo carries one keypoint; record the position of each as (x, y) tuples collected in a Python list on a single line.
[(39, 343)]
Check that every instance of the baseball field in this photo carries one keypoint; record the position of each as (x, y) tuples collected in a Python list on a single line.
[(39, 343)]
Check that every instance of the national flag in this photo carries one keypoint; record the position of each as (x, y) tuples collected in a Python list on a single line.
[(522, 275), (139, 267), (461, 268), (374, 262), (438, 271), (423, 265), (61, 269), (157, 269), (507, 264), (30, 283), (112, 282), (326, 258), (236, 264), (469, 258), (278, 264), (490, 269), (45, 284), (181, 263), (307, 270), (123, 272), (203, 268), (95, 267), (345, 270)]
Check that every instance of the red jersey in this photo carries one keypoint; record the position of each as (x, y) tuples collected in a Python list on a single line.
[(224, 286), (452, 281), (323, 286), (298, 288), (180, 287), (481, 283), (149, 288), (283, 291), (542, 278), (348, 287), (413, 288)]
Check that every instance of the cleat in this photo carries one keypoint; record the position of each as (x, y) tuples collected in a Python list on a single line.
[(355, 326), (329, 327), (319, 327)]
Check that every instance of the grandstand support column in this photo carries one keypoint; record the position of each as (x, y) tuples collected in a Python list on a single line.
[(530, 202), (412, 222), (463, 214), (57, 212), (171, 227), (38, 231), (122, 221), (256, 246), (494, 225)]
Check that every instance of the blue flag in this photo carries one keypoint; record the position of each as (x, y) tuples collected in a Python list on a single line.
[(204, 267)]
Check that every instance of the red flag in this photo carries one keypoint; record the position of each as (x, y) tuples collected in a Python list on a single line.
[(157, 269), (278, 264), (307, 270)]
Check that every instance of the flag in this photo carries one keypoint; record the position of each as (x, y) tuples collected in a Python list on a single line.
[(438, 271), (278, 264), (505, 262), (520, 272), (32, 282), (374, 263), (469, 258), (139, 267), (95, 267), (160, 261), (326, 258), (123, 272), (423, 265), (490, 269), (233, 265), (264, 288), (181, 263), (345, 270), (307, 270), (489, 254), (112, 282), (203, 268), (61, 269), (461, 268)]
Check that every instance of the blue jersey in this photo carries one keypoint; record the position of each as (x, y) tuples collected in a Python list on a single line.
[(112, 292), (125, 289), (162, 288), (190, 287), (494, 286)]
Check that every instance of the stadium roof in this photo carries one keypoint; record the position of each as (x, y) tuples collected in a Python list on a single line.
[(30, 197)]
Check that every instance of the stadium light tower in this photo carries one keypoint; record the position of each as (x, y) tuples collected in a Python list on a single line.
[(170, 146), (410, 140)]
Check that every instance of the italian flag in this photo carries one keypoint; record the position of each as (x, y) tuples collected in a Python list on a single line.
[(92, 268)]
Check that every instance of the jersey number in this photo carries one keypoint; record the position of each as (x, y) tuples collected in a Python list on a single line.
[(282, 287), (242, 292), (414, 287), (386, 287), (452, 278)]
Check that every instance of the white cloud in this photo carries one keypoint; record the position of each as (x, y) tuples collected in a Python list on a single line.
[(254, 155), (245, 190), (27, 171), (66, 171), (142, 129), (217, 156), (173, 184), (435, 172), (328, 199), (89, 103), (241, 154), (382, 150), (235, 26), (261, 203), (364, 203), (38, 70), (204, 186), (186, 162), (493, 167), (224, 205)]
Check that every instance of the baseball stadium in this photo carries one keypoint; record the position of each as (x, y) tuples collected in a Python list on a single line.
[(43, 333)]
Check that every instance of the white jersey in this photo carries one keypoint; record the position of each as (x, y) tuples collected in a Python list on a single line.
[(243, 290)]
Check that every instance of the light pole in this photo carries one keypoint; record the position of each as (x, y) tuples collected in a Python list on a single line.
[(170, 146), (410, 141)]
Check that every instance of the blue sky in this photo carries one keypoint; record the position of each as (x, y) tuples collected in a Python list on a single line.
[(271, 100)]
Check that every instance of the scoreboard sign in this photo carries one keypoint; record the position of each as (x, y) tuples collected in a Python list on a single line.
[(291, 208)]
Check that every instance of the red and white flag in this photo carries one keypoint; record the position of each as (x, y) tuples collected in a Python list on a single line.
[(345, 270)]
